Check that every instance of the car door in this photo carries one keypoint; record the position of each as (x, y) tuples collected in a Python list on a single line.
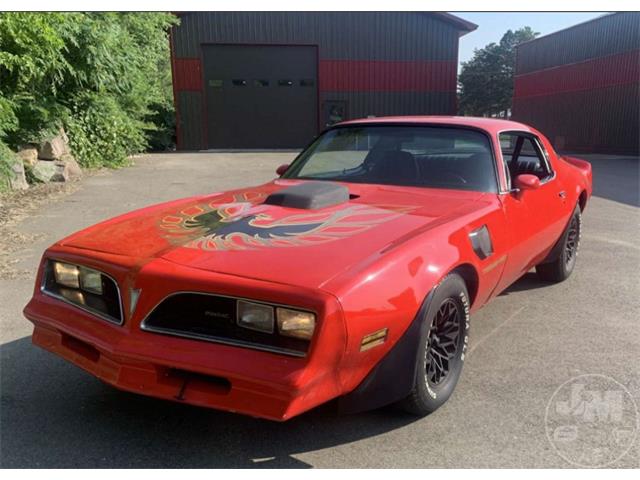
[(535, 218)]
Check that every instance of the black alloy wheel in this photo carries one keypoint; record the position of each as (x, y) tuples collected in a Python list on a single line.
[(571, 245), (561, 267), (444, 340), (442, 343)]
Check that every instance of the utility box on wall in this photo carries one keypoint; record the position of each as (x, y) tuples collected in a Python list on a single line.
[(261, 80)]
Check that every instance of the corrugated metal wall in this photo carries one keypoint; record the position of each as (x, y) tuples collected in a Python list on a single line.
[(381, 63), (339, 35), (580, 86)]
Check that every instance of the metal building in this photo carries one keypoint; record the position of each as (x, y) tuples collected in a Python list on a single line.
[(580, 86), (274, 79)]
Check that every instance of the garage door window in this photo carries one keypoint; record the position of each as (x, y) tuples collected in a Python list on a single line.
[(238, 82)]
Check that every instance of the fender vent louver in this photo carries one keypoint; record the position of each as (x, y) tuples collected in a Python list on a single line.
[(481, 242)]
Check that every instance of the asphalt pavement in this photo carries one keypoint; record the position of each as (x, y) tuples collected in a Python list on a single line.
[(524, 345)]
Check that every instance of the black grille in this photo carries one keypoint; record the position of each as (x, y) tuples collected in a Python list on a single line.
[(213, 318)]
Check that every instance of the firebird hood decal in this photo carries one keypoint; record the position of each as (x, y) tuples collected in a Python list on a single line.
[(235, 233), (243, 226)]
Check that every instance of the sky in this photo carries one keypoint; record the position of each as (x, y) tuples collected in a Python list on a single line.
[(491, 26)]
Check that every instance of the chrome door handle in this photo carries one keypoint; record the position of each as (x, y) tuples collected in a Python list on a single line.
[(562, 194)]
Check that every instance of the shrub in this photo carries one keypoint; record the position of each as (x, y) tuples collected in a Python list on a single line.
[(7, 157), (105, 77), (102, 133), (162, 135)]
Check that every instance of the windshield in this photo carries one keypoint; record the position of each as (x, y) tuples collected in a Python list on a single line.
[(437, 157)]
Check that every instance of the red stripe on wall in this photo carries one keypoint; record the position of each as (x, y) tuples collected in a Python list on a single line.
[(600, 72), (387, 76), (188, 74)]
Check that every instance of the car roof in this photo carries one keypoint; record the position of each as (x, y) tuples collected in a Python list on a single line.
[(492, 125)]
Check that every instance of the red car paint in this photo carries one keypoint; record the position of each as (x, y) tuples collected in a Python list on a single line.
[(364, 265)]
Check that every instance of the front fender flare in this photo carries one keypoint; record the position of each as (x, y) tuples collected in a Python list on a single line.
[(384, 385)]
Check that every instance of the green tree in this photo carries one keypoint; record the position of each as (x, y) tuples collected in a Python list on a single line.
[(103, 76), (485, 83), (33, 67)]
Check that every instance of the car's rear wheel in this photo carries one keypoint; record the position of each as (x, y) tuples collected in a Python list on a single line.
[(562, 267), (443, 342)]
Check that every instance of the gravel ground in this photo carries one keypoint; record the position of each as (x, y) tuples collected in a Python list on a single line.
[(15, 207), (524, 346)]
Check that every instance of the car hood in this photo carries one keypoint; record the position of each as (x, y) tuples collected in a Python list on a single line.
[(236, 233)]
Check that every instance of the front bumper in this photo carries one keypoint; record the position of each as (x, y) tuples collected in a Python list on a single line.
[(201, 373), (148, 377)]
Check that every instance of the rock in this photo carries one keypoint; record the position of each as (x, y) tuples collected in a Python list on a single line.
[(28, 154), (47, 171), (53, 149), (70, 166), (64, 136), (58, 170), (61, 175), (19, 181)]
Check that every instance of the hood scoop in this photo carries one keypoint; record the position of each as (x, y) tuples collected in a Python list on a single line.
[(310, 195)]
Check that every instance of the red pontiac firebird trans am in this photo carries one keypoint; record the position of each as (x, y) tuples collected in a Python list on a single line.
[(351, 276)]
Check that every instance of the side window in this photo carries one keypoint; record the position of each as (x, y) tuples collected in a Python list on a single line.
[(522, 154)]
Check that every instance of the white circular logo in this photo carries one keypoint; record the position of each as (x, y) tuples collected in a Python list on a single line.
[(591, 420)]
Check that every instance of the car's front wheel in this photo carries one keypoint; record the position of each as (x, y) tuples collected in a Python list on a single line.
[(444, 340)]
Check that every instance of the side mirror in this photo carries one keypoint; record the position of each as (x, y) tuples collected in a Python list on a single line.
[(527, 181), (282, 168)]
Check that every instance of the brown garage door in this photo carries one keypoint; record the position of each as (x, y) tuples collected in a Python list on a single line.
[(260, 96)]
